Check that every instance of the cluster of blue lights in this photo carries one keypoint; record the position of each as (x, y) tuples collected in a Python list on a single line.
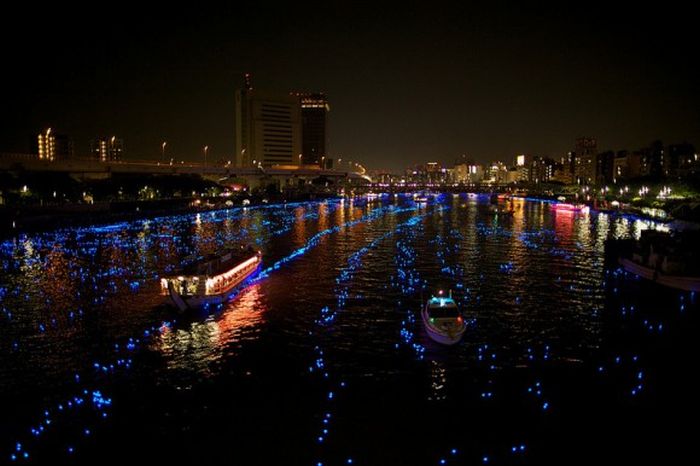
[(452, 456), (315, 239), (408, 281), (327, 317), (131, 271), (537, 391)]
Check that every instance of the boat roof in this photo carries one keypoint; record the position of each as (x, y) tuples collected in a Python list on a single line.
[(219, 262), (439, 301)]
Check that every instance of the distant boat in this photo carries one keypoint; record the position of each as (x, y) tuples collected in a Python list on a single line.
[(211, 280), (442, 319), (570, 207), (672, 261), (674, 281)]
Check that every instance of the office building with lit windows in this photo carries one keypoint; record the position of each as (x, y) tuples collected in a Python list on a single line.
[(107, 149), (314, 111), (268, 128), (585, 160), (51, 146)]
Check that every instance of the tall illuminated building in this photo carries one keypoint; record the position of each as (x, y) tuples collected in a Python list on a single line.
[(523, 165), (314, 111), (51, 146), (268, 127), (107, 149), (585, 160)]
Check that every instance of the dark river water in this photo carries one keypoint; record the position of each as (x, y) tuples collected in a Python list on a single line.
[(323, 359)]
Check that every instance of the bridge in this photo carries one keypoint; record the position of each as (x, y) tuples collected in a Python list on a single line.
[(91, 168), (446, 188)]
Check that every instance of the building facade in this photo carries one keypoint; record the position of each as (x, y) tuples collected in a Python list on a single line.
[(621, 166), (50, 146), (585, 160), (541, 170), (681, 159), (523, 163), (314, 122), (107, 149), (605, 167), (268, 128), (497, 174)]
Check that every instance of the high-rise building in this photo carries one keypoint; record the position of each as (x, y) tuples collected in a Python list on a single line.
[(680, 159), (430, 173), (541, 170), (268, 127), (496, 173), (605, 167), (561, 172), (654, 160), (314, 111), (467, 172), (51, 146), (636, 164), (585, 160), (523, 164), (107, 149), (621, 169)]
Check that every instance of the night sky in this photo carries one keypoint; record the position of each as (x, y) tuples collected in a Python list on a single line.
[(405, 84)]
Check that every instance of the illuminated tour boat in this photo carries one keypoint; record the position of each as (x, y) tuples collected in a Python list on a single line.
[(420, 198), (565, 207), (442, 319), (212, 280)]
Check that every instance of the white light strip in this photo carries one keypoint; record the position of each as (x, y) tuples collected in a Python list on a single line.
[(226, 276)]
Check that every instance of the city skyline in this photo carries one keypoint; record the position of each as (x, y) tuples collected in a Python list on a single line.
[(422, 85)]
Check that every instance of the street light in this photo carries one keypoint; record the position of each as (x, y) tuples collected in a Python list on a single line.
[(323, 165), (162, 155), (206, 148), (299, 159)]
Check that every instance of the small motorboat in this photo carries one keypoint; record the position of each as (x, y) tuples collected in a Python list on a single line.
[(443, 320), (211, 280)]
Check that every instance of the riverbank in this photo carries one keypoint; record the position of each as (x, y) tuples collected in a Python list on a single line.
[(34, 219), (684, 217)]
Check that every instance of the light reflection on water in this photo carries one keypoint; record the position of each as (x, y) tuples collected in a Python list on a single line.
[(530, 280), (197, 345)]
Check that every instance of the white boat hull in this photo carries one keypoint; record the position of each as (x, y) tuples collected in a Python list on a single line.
[(672, 281), (443, 338), (446, 336)]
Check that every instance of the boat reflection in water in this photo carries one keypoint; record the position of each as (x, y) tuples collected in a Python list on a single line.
[(212, 280), (196, 346)]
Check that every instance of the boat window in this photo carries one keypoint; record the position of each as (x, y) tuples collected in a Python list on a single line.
[(443, 312)]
